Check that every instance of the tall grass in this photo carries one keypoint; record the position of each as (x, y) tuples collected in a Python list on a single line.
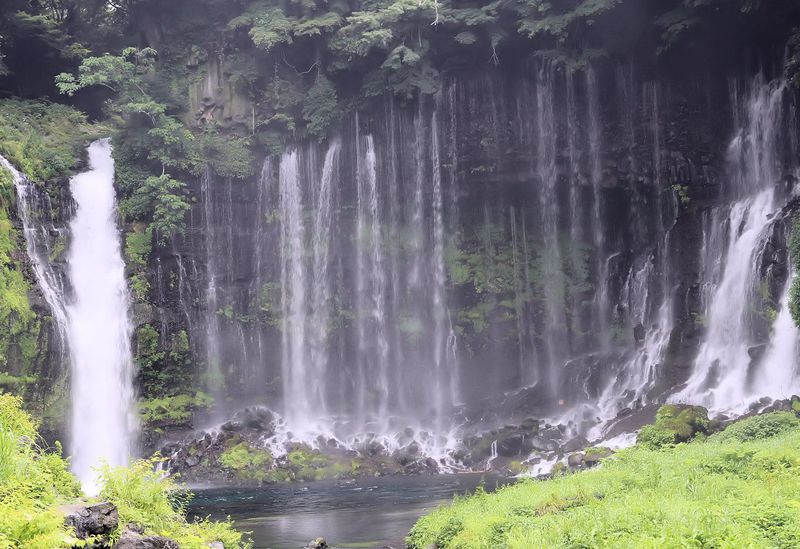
[(727, 491), (35, 482)]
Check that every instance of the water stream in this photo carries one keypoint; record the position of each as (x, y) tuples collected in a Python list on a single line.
[(98, 328)]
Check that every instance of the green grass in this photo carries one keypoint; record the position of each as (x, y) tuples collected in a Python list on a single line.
[(739, 488), (35, 482)]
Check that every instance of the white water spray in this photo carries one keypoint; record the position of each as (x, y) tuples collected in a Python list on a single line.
[(98, 328)]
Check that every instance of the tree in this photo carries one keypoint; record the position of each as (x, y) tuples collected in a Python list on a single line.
[(151, 132)]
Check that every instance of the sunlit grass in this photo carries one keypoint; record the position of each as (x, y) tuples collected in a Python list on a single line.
[(730, 490), (34, 483)]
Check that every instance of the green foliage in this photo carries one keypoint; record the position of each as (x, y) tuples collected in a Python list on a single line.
[(144, 497), (43, 140), (759, 427), (268, 25), (19, 325), (173, 410), (32, 483), (674, 424), (138, 245), (152, 137), (35, 482), (320, 109), (794, 256), (160, 198), (718, 492), (228, 155)]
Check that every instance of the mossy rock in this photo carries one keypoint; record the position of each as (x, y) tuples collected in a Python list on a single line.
[(675, 423)]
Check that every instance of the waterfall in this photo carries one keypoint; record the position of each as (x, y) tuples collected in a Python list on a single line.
[(35, 213), (297, 391), (555, 322), (505, 242), (373, 343), (306, 286), (724, 366), (214, 377), (98, 327)]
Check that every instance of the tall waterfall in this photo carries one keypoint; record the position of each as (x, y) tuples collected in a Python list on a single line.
[(98, 328), (725, 367)]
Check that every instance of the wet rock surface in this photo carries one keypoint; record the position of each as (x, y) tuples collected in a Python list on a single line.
[(131, 539), (99, 519)]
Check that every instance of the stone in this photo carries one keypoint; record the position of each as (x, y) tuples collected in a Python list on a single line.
[(639, 333), (232, 426), (216, 545), (593, 455), (511, 445), (575, 460), (192, 461), (99, 519), (133, 540), (318, 543)]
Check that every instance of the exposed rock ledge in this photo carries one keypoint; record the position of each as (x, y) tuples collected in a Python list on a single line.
[(98, 521)]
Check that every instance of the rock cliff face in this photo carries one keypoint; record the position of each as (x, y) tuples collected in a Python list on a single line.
[(530, 242), (527, 242)]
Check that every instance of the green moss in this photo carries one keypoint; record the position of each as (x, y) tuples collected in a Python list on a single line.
[(596, 453), (19, 325), (246, 462)]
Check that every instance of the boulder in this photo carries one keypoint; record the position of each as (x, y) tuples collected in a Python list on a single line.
[(595, 454), (511, 445), (318, 543), (575, 461), (134, 540), (99, 519)]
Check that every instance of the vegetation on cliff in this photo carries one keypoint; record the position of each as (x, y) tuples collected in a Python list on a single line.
[(736, 488), (35, 482), (196, 85)]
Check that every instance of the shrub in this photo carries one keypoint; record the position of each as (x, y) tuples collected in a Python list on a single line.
[(674, 424), (759, 427)]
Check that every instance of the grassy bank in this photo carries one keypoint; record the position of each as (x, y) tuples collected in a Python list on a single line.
[(35, 483), (737, 488)]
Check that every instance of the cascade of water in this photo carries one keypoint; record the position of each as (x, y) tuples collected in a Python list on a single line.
[(373, 343), (720, 379), (594, 125), (39, 246), (319, 306), (445, 386), (293, 302), (779, 376), (555, 325), (214, 375), (99, 330)]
